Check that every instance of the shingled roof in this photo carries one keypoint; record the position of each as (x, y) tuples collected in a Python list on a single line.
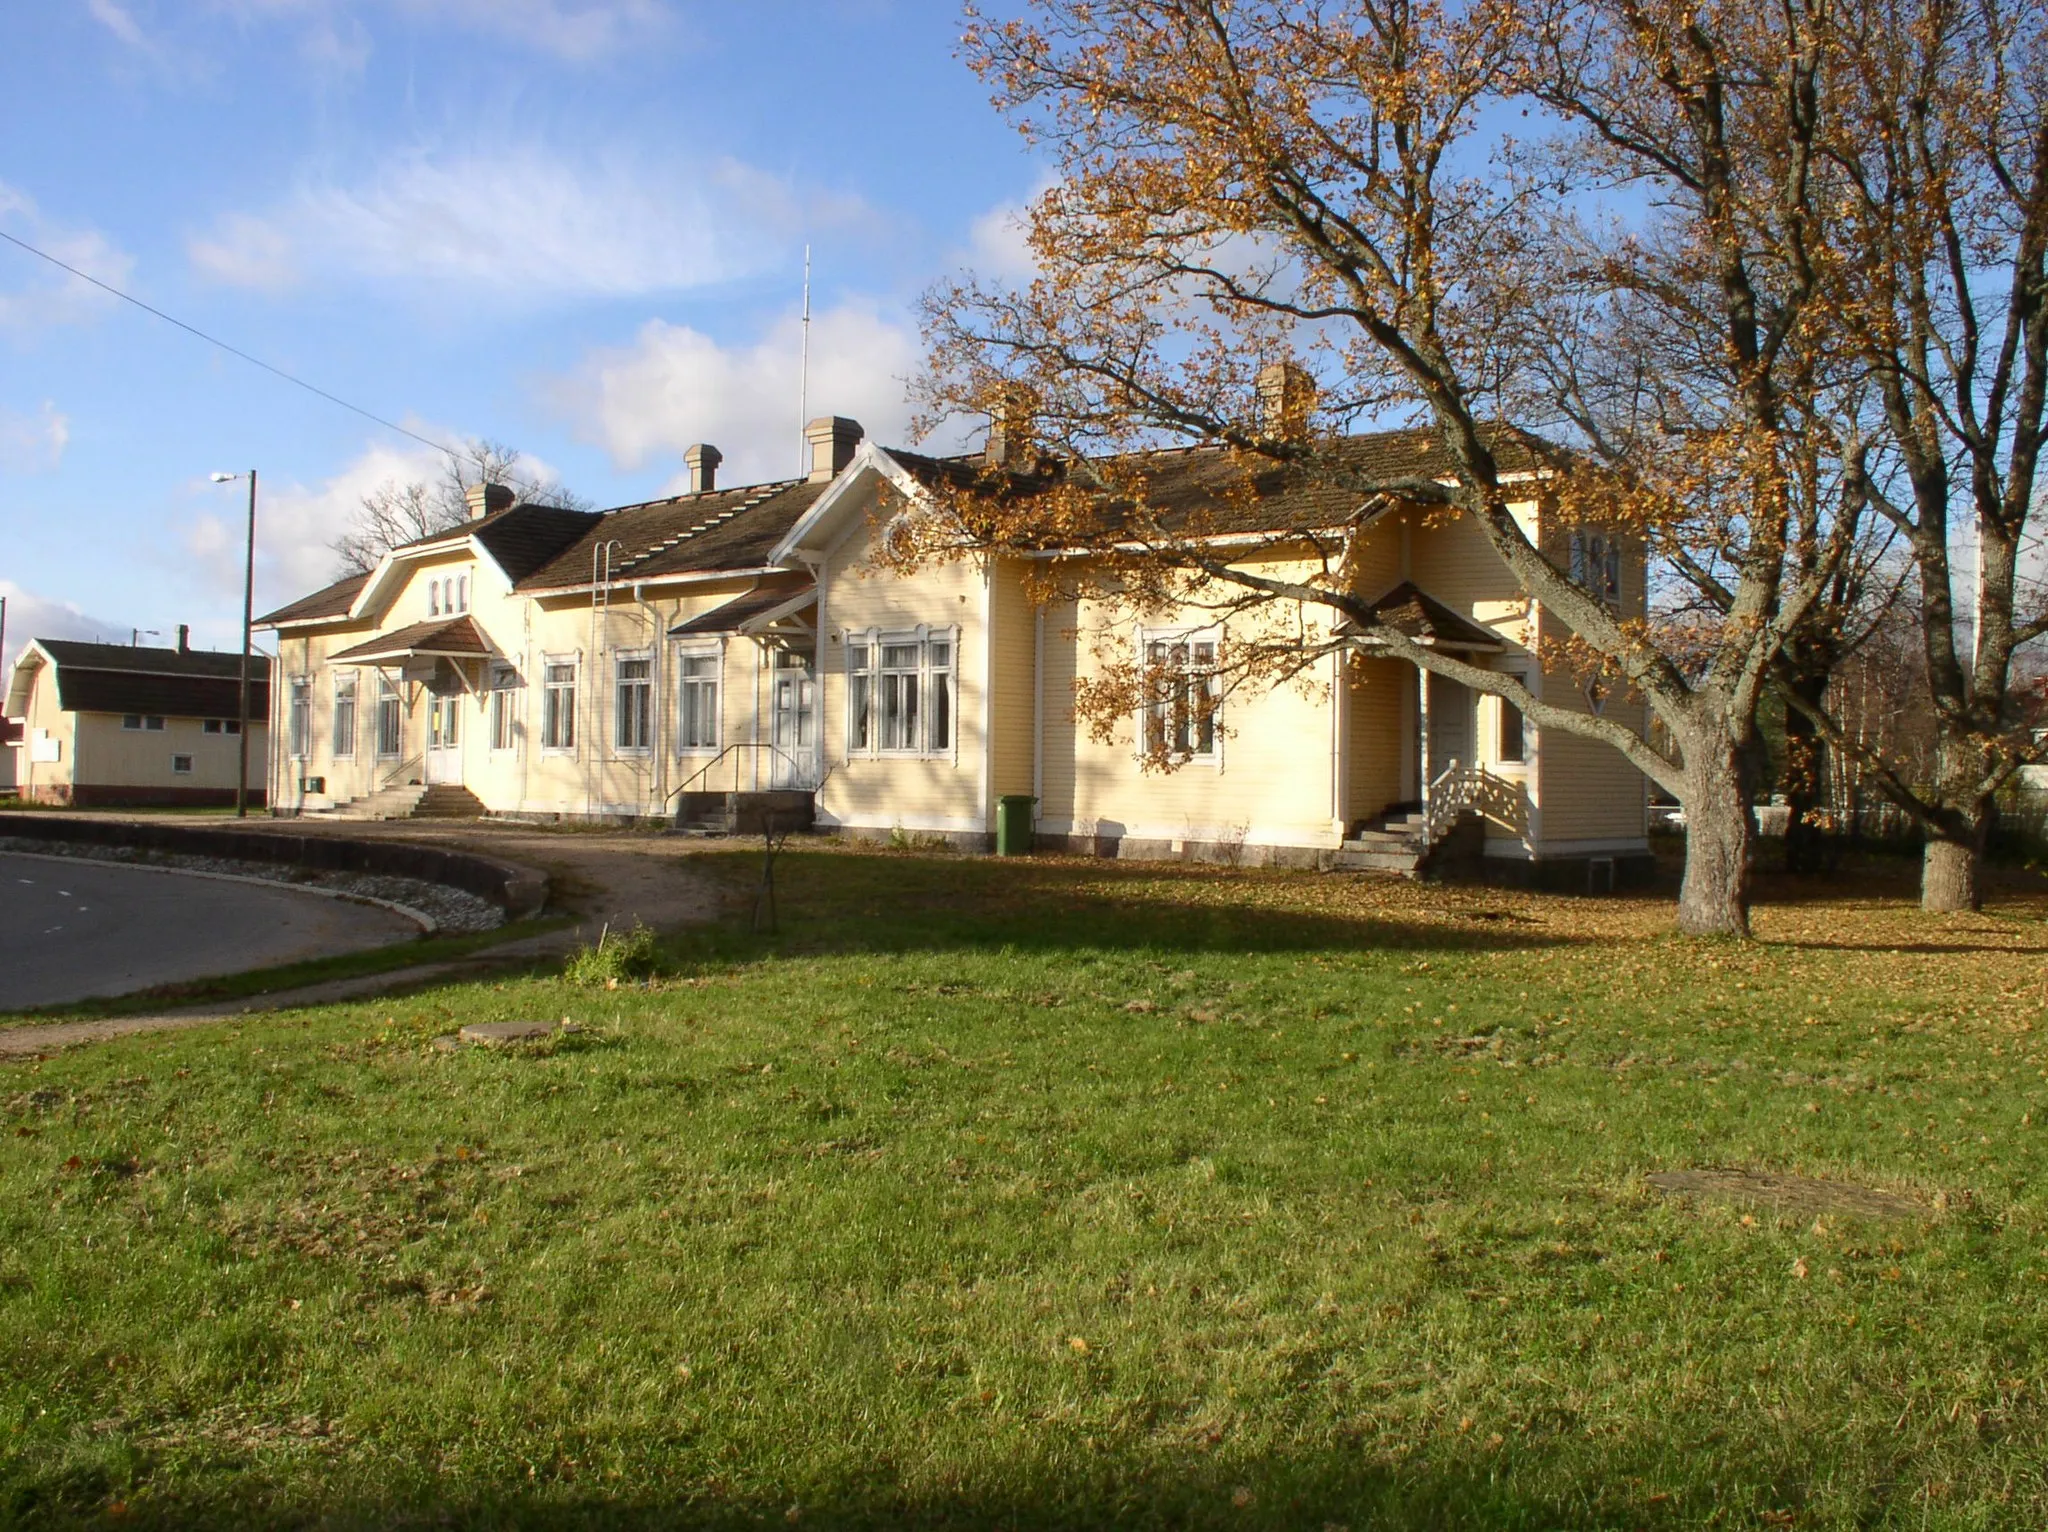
[(456, 639), (323, 605), (730, 529), (1414, 613), (175, 683), (1212, 490)]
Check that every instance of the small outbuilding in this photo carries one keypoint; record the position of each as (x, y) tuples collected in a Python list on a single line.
[(124, 726)]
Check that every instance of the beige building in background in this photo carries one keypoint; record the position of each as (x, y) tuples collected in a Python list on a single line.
[(631, 663), (114, 725)]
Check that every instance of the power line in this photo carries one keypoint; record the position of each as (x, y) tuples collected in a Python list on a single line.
[(236, 351)]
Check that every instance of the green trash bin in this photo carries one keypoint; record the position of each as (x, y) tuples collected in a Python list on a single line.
[(1013, 824)]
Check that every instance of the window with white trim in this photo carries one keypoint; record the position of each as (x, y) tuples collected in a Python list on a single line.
[(1596, 565), (181, 765), (1511, 745), (697, 677), (504, 709), (301, 717), (633, 703), (1183, 696), (902, 693), (462, 593), (345, 716), (390, 719), (558, 705), (221, 726)]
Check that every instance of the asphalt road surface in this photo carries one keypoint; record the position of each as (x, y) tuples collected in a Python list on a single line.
[(73, 929)]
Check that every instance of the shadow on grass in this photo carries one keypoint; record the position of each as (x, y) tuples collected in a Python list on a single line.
[(833, 902), (1330, 1490)]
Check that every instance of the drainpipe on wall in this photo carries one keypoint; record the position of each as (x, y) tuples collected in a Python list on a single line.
[(1037, 715)]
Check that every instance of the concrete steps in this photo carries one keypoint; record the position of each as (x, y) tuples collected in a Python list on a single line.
[(1391, 844), (387, 803), (743, 813), (443, 801), (413, 800)]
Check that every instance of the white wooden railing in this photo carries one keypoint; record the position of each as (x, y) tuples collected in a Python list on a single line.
[(1460, 790)]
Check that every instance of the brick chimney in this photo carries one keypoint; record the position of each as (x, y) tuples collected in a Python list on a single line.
[(1010, 444), (833, 439), (483, 499), (184, 638), (1287, 398), (703, 460)]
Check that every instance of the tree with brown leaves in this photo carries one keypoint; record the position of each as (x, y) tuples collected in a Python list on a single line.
[(1332, 187)]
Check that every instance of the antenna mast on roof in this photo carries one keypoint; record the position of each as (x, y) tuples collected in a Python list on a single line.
[(803, 377)]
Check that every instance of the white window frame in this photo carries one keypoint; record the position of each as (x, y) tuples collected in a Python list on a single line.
[(184, 770), (1212, 635), (299, 735), (393, 692), (947, 679), (645, 685), (345, 750), (685, 654), (501, 710), (548, 687), (1501, 708)]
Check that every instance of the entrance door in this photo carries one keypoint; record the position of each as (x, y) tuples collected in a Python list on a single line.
[(793, 721), (444, 737), (1452, 733)]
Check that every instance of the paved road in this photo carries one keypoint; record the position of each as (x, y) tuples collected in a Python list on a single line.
[(71, 929)]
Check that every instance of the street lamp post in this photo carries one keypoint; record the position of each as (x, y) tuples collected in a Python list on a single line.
[(248, 618)]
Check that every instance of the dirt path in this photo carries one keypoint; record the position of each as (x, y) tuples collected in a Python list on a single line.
[(602, 879)]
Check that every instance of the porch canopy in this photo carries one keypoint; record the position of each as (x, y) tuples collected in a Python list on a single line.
[(446, 638), (1414, 613), (776, 608)]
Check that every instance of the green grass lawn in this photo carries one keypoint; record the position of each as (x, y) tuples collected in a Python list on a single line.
[(1064, 1193)]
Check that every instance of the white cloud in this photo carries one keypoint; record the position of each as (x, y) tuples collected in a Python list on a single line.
[(245, 251), (32, 616), (674, 386), (999, 247), (34, 443), (526, 223), (573, 30), (117, 21), (38, 293), (297, 524)]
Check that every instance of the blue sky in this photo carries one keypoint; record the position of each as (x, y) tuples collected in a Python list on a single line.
[(576, 226)]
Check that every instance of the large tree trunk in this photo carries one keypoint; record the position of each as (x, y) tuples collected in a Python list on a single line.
[(1952, 863), (1714, 899)]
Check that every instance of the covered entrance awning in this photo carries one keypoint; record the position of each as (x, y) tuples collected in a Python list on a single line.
[(1414, 613), (780, 609), (455, 638)]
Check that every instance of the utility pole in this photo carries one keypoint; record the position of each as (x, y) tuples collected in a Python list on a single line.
[(248, 620), (248, 617)]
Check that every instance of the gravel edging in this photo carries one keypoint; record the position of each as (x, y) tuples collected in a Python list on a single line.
[(436, 907)]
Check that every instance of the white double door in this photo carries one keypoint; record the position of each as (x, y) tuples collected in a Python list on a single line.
[(792, 723), (444, 737)]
